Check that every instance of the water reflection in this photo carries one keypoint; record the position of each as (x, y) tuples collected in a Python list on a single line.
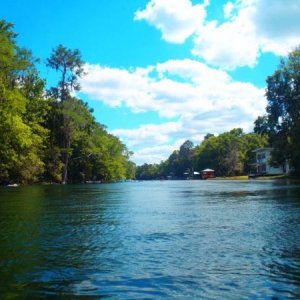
[(177, 239)]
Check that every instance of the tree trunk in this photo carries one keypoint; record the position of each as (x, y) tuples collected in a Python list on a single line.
[(65, 170)]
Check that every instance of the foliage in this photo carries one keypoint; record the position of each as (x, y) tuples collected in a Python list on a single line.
[(229, 154), (51, 136), (22, 134), (283, 111), (148, 172), (70, 65)]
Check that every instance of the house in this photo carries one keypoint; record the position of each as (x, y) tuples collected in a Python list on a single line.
[(207, 173), (263, 166)]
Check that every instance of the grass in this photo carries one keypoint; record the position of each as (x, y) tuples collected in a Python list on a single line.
[(282, 176), (245, 177)]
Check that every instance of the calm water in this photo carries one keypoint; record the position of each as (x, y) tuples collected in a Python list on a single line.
[(151, 240)]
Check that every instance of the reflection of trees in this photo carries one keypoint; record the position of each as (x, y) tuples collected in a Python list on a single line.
[(50, 234), (20, 217)]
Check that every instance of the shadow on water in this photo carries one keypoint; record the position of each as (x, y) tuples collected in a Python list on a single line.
[(47, 233), (176, 239)]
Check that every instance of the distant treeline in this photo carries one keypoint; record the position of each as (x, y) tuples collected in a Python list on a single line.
[(231, 153), (48, 135)]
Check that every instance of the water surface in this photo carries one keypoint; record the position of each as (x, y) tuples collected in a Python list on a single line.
[(151, 240)]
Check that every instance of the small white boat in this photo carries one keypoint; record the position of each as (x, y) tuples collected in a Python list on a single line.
[(93, 181)]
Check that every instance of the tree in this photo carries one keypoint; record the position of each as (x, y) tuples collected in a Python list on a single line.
[(230, 153), (148, 172), (283, 110), (77, 122), (53, 136), (261, 125), (98, 155), (70, 65), (185, 158), (208, 135), (22, 112)]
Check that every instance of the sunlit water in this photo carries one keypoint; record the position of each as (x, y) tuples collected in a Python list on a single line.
[(151, 240)]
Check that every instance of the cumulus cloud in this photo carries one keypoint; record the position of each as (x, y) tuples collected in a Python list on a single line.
[(230, 44), (228, 8), (202, 99), (153, 154), (277, 25), (155, 142), (177, 20), (197, 89), (250, 27), (149, 134)]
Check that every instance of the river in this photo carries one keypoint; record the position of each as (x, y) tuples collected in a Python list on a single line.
[(151, 240)]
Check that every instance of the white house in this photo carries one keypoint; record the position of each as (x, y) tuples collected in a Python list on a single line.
[(263, 166)]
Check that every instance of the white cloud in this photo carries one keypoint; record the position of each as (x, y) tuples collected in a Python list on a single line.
[(228, 8), (154, 143), (153, 154), (203, 99), (230, 44), (277, 25), (149, 134), (177, 20), (197, 89), (114, 86), (250, 27)]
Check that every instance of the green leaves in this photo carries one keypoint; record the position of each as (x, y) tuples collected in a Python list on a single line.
[(70, 65), (45, 137), (283, 110), (228, 154), (21, 134)]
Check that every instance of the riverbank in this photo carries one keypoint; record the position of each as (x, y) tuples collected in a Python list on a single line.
[(246, 177)]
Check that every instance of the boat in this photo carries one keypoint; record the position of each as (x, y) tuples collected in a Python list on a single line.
[(93, 181)]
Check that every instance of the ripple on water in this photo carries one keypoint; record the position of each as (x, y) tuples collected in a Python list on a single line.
[(151, 240)]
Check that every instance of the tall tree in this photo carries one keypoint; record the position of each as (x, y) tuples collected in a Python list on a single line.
[(261, 125), (43, 135), (77, 122), (70, 66), (22, 111), (283, 110)]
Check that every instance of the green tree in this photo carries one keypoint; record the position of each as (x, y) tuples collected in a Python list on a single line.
[(101, 156), (78, 122), (22, 112), (51, 137), (148, 172), (230, 153), (70, 66), (261, 125), (283, 110)]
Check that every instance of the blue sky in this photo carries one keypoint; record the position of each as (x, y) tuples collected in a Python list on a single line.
[(163, 71)]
